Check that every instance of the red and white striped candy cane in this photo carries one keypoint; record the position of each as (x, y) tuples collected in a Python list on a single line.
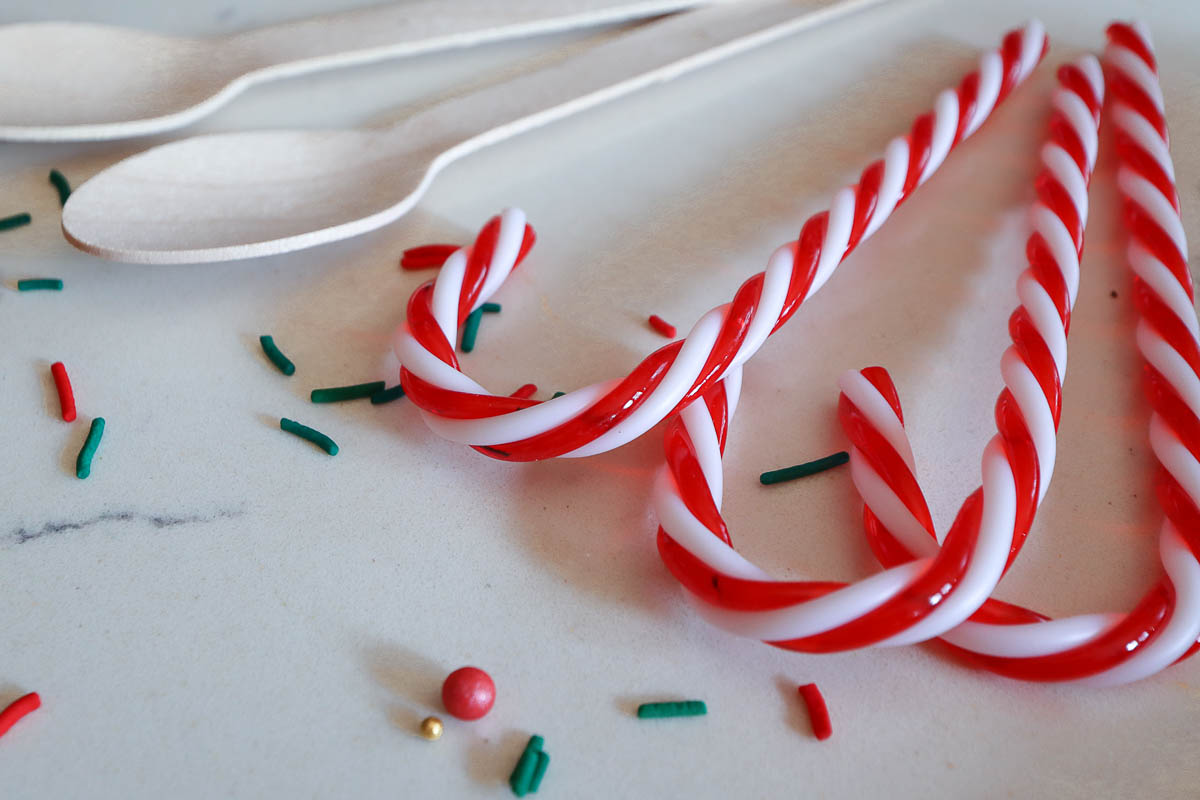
[(926, 589), (606, 415), (1108, 649)]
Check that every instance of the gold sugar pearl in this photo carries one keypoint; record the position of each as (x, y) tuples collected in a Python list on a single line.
[(431, 728)]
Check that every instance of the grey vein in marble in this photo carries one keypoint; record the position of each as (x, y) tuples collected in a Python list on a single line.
[(22, 534)]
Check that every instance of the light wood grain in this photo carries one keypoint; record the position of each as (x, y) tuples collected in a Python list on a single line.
[(72, 82), (241, 195)]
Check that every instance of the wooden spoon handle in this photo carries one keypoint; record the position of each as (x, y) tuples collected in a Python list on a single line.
[(403, 29), (652, 54)]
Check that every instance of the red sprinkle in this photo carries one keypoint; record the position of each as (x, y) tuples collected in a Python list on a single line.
[(818, 714), (662, 326), (66, 397), (428, 256), (528, 390), (17, 709)]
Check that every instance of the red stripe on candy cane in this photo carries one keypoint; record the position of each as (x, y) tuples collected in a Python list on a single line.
[(604, 416), (926, 589)]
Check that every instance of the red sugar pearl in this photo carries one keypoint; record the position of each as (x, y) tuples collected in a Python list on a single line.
[(468, 693)]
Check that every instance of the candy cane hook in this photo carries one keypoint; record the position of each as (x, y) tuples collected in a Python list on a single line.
[(606, 415), (927, 588)]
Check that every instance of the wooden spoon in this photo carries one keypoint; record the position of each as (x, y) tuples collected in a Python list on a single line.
[(62, 81), (228, 196)]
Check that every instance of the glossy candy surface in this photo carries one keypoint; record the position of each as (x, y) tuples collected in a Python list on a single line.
[(927, 588), (606, 415), (468, 693)]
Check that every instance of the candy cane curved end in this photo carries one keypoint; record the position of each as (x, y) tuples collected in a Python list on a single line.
[(1110, 649), (927, 589)]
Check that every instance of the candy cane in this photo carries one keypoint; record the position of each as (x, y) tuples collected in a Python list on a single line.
[(926, 589), (1106, 649), (606, 415)]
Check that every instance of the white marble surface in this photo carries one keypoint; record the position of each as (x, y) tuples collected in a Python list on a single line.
[(222, 610)]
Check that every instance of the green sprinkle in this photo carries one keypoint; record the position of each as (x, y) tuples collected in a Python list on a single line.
[(282, 362), (471, 330), (387, 395), (304, 432), (83, 464), (523, 773), (490, 308), (33, 284), (682, 708), (539, 772), (557, 394), (15, 221), (60, 182), (804, 470), (336, 394)]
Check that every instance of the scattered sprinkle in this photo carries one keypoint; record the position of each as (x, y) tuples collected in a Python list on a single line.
[(387, 395), (804, 470), (471, 330), (15, 221), (818, 713), (1113, 293), (281, 362), (662, 326), (60, 182), (304, 432), (431, 728), (66, 396), (17, 709), (429, 256), (557, 394), (33, 284), (336, 394), (528, 390), (83, 463), (681, 708), (522, 777), (490, 308), (539, 771)]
